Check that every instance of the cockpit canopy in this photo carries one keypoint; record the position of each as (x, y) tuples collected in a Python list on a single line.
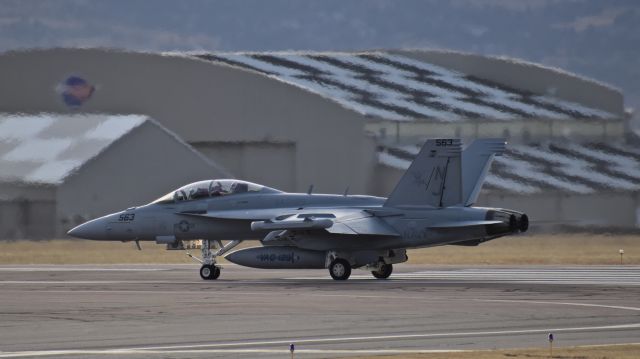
[(213, 188)]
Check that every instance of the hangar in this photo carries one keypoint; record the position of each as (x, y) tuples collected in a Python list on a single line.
[(61, 170), (338, 120), (261, 130), (572, 161)]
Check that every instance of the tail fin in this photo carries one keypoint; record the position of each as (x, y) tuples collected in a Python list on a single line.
[(434, 177), (476, 161)]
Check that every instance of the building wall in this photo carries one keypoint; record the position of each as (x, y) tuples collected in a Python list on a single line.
[(385, 180), (527, 76), (552, 209), (136, 169), (243, 158), (26, 211), (27, 218), (202, 102), (514, 131)]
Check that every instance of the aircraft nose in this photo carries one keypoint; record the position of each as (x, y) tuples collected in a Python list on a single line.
[(94, 229)]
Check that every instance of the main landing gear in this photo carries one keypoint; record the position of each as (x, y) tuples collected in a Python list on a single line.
[(383, 272), (340, 269), (209, 269)]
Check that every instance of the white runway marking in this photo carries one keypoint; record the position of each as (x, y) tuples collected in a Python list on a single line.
[(224, 351), (635, 309), (629, 276), (79, 269), (355, 296), (220, 347), (84, 282), (596, 275)]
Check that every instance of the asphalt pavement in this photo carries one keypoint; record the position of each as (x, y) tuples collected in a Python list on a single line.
[(167, 311)]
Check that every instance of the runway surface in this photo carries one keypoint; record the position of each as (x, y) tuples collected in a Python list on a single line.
[(166, 311)]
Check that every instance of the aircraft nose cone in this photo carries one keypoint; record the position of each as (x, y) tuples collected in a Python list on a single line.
[(94, 229)]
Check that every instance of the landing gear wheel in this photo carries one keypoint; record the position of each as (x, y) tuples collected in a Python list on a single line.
[(209, 272), (340, 269), (216, 272), (384, 272)]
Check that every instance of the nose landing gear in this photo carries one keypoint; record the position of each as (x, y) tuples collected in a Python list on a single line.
[(209, 269), (209, 272)]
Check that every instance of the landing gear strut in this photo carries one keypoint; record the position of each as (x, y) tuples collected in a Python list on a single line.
[(209, 269)]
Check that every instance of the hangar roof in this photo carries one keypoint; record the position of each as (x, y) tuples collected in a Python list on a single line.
[(563, 166), (46, 148), (395, 87)]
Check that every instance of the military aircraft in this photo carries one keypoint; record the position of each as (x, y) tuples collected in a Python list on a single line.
[(431, 205)]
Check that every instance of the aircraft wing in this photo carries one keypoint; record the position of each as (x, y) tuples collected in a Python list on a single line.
[(336, 221), (333, 220)]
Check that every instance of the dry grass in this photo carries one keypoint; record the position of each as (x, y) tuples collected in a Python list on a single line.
[(626, 351), (66, 251), (539, 249)]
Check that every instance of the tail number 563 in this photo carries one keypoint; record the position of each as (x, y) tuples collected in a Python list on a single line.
[(127, 217), (444, 142)]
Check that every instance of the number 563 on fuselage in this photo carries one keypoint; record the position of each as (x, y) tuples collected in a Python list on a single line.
[(431, 205)]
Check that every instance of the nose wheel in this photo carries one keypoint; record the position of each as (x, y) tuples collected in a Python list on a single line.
[(209, 272)]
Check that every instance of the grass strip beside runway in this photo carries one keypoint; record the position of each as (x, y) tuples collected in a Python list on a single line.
[(534, 249), (537, 249)]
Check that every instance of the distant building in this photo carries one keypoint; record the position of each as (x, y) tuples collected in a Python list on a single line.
[(58, 171), (292, 119)]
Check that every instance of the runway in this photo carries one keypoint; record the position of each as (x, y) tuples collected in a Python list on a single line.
[(166, 311)]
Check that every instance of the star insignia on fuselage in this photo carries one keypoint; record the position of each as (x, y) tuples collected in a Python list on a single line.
[(183, 226)]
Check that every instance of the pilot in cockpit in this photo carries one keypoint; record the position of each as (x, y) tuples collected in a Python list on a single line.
[(196, 193), (216, 190), (239, 187)]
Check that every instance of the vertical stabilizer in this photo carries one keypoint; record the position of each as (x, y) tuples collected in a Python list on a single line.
[(434, 177), (476, 161)]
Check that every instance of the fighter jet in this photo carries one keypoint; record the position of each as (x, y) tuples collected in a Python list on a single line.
[(431, 205)]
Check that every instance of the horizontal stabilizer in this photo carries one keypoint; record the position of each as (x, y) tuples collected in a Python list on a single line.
[(461, 224)]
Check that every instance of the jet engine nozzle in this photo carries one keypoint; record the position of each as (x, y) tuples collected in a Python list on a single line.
[(511, 222), (523, 223)]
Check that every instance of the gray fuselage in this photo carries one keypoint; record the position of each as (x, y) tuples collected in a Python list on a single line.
[(198, 219)]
